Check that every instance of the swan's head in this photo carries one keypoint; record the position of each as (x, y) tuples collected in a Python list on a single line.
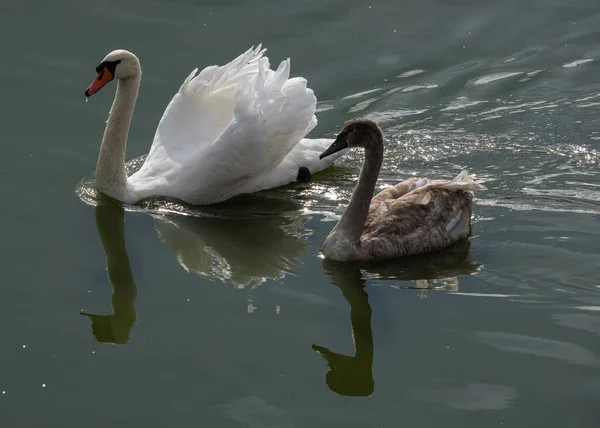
[(358, 133), (119, 64)]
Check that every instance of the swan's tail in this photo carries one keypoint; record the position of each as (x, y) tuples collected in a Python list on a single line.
[(464, 181)]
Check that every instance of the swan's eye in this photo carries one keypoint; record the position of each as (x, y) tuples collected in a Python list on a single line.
[(110, 65)]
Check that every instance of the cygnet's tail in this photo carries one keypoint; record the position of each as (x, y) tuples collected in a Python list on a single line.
[(464, 181)]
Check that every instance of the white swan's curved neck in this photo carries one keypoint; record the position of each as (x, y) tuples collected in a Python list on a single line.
[(111, 178), (352, 223)]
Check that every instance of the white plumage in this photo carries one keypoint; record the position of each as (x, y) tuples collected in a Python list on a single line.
[(234, 129)]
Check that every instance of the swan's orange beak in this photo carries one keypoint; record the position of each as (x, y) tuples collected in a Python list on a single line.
[(103, 78)]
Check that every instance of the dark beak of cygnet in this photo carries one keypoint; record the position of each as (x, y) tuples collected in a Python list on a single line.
[(340, 143)]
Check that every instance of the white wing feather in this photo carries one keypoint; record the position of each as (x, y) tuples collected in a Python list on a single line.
[(233, 129), (204, 104)]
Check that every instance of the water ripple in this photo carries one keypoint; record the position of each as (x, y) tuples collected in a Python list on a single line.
[(539, 347)]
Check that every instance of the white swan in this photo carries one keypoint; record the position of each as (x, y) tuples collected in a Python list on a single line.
[(229, 130)]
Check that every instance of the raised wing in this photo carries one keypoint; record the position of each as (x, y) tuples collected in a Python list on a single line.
[(202, 108), (272, 114), (228, 131)]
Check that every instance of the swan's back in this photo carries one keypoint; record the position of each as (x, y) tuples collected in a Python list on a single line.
[(418, 216), (230, 130)]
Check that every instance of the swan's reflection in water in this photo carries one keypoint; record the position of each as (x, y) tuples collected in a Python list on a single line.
[(352, 375), (246, 240), (115, 328)]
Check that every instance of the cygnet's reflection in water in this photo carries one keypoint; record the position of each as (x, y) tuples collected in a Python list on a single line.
[(352, 375), (434, 271), (246, 240), (347, 375), (115, 328)]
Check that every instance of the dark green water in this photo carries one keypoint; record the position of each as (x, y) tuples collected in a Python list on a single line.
[(217, 318)]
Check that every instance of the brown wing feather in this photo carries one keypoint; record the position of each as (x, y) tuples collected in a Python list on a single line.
[(402, 221), (398, 190), (379, 204)]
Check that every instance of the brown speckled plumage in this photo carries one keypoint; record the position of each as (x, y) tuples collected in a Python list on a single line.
[(415, 221), (415, 216)]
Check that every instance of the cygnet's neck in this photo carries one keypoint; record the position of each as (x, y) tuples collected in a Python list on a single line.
[(351, 225)]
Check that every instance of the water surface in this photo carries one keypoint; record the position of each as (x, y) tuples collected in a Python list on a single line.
[(227, 316)]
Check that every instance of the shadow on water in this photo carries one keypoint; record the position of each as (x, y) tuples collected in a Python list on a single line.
[(115, 328), (353, 375)]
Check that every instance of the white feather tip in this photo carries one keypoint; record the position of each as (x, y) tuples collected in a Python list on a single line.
[(466, 182)]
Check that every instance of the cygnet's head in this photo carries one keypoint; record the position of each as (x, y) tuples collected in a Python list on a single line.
[(119, 64), (358, 133)]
